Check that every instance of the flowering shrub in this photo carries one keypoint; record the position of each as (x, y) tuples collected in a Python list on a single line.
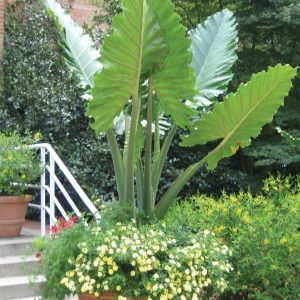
[(263, 233), (17, 166), (141, 262), (148, 262)]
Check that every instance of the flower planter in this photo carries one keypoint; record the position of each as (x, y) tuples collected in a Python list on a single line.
[(104, 296), (12, 214)]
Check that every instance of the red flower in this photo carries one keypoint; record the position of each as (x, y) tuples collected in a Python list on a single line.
[(63, 224), (38, 255)]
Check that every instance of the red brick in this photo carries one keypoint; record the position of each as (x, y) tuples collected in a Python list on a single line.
[(2, 4), (82, 10)]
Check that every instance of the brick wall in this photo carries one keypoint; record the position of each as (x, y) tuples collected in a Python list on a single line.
[(82, 11), (2, 4), (1, 28)]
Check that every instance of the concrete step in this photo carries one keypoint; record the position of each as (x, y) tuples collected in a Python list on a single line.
[(29, 298), (18, 287), (17, 265), (16, 246)]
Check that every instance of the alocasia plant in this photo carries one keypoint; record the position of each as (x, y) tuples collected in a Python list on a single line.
[(151, 68)]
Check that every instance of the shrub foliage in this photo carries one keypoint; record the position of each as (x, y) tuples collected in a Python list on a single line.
[(262, 231)]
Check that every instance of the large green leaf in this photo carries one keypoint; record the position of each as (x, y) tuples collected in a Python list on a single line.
[(78, 48), (176, 81), (136, 47), (242, 115), (213, 44), (291, 139)]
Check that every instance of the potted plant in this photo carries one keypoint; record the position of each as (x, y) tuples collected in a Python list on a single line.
[(150, 70), (18, 167)]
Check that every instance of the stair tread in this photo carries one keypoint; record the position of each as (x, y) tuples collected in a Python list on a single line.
[(28, 298), (17, 259), (19, 280), (17, 240)]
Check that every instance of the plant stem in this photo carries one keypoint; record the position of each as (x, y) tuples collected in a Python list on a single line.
[(170, 196), (160, 161), (117, 162), (140, 185), (129, 171), (127, 132), (148, 203), (156, 139)]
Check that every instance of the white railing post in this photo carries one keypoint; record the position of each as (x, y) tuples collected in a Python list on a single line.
[(43, 193), (52, 189)]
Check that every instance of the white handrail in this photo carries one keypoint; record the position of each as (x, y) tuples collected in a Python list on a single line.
[(54, 160), (45, 208), (64, 191)]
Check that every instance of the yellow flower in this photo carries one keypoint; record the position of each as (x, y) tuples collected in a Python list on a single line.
[(9, 157), (23, 176), (238, 212), (232, 199), (118, 288), (148, 286), (220, 229), (225, 210), (246, 219), (37, 135), (115, 268), (132, 273), (283, 241), (234, 230), (109, 261)]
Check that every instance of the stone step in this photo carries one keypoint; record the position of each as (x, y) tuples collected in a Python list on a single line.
[(17, 265), (16, 246), (18, 287)]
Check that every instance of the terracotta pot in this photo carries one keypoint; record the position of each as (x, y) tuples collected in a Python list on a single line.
[(104, 296), (12, 214)]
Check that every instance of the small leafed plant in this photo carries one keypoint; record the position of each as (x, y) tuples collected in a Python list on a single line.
[(150, 69), (19, 165)]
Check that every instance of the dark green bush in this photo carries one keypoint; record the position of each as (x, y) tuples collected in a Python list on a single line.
[(41, 95)]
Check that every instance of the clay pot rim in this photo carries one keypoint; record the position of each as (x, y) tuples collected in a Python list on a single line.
[(15, 199)]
